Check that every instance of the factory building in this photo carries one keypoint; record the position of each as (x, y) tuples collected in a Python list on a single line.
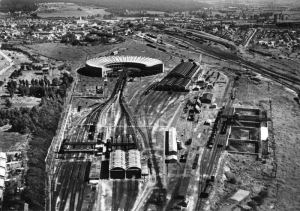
[(170, 141), (125, 164)]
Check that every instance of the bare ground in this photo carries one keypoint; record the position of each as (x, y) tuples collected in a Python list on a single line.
[(283, 191)]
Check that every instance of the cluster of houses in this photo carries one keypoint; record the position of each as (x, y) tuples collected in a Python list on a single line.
[(278, 37), (29, 30)]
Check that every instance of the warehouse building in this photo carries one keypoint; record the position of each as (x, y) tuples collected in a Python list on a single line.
[(170, 141)]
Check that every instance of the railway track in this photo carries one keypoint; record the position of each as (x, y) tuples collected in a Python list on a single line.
[(281, 78), (211, 156), (118, 194), (133, 187)]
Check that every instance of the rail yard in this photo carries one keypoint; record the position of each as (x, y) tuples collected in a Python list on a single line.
[(148, 137)]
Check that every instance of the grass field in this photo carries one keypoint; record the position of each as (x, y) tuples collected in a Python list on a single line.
[(71, 10), (58, 51), (11, 141)]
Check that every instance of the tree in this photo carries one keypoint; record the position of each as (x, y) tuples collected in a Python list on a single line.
[(55, 81), (218, 16), (8, 104)]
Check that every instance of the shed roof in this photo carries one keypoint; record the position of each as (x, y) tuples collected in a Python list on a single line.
[(117, 159), (133, 159)]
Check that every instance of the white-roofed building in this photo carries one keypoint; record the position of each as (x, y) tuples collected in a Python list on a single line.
[(145, 170), (2, 173), (3, 155), (81, 22), (2, 183), (264, 133), (1, 195), (3, 159), (133, 169), (2, 163), (170, 141), (117, 164)]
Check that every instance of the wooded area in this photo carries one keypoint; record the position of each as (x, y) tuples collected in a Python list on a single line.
[(41, 122)]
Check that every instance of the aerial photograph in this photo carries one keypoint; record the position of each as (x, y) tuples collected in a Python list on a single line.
[(149, 105)]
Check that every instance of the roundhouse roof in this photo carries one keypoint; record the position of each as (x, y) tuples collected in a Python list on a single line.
[(103, 61)]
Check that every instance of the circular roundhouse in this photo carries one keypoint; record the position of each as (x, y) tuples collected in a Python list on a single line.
[(136, 65)]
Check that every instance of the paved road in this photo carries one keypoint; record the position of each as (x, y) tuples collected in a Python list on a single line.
[(250, 38)]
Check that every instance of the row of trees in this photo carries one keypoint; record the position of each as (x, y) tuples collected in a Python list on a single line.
[(41, 88)]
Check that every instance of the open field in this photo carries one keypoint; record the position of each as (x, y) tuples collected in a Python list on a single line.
[(71, 10), (11, 141)]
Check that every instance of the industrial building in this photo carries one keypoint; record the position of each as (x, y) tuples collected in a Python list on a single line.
[(125, 164), (179, 79), (170, 141), (137, 65)]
